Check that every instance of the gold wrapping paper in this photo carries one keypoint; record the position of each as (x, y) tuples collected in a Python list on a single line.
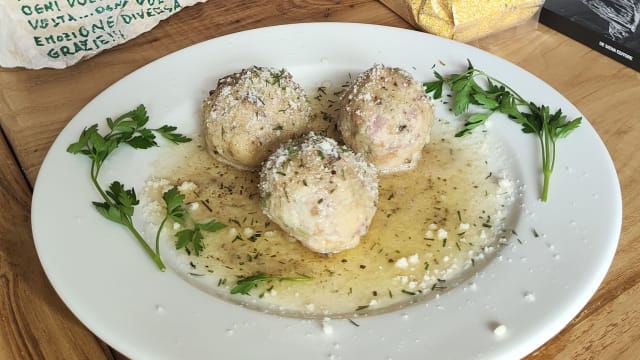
[(466, 20)]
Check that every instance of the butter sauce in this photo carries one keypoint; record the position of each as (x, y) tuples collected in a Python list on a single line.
[(434, 225)]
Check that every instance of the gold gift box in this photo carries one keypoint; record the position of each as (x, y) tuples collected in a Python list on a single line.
[(466, 20)]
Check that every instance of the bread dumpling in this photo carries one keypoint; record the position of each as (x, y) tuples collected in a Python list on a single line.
[(250, 113), (386, 116), (323, 194)]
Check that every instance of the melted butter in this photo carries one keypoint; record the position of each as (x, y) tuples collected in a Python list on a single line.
[(433, 226)]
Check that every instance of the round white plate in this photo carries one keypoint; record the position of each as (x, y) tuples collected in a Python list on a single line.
[(533, 288)]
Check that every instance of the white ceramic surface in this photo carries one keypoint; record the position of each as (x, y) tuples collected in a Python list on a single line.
[(533, 288)]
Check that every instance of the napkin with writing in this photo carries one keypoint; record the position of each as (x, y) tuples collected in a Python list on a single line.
[(58, 33)]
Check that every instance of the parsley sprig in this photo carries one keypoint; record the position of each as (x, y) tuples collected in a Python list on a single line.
[(191, 237), (245, 285), (496, 96), (119, 202)]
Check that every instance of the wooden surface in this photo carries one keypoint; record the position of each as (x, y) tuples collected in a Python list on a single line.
[(36, 105)]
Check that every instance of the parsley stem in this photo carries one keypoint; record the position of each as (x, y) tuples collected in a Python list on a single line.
[(95, 170), (158, 235), (154, 256), (513, 92), (548, 146)]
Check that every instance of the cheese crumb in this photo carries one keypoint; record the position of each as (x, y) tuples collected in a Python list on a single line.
[(464, 227), (529, 296), (187, 187), (402, 263), (248, 232), (327, 329), (500, 330), (414, 259), (442, 234)]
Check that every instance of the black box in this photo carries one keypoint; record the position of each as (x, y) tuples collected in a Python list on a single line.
[(607, 26)]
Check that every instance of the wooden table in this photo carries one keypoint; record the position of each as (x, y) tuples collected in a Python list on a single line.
[(36, 104)]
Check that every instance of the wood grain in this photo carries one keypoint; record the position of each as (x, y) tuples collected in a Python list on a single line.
[(36, 104), (34, 323)]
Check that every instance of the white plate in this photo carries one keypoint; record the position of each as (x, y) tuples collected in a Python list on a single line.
[(110, 284)]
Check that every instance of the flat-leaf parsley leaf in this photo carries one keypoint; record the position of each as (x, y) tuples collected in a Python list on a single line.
[(118, 202)]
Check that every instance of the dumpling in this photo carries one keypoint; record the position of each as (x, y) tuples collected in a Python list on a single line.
[(323, 194), (386, 116), (250, 113)]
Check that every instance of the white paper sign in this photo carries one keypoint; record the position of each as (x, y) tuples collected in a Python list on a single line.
[(59, 33)]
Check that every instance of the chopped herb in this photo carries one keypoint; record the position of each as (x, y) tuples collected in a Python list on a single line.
[(354, 323), (206, 205), (535, 233), (407, 292), (276, 77), (254, 237), (362, 307), (245, 285), (437, 286)]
